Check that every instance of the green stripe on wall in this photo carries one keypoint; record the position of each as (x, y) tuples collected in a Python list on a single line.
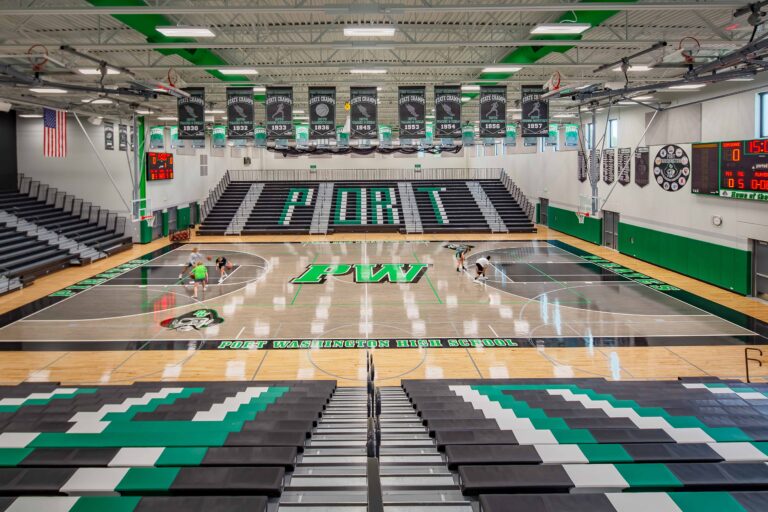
[(567, 222), (722, 266)]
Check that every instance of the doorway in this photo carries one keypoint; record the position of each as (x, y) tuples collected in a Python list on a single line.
[(760, 269), (543, 209), (611, 229)]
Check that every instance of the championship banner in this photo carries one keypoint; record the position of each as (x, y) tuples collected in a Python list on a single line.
[(411, 107), (239, 113), (219, 137), (122, 138), (535, 116), (582, 166), (322, 113), (642, 161), (624, 158), (571, 135), (609, 166), (363, 111), (259, 136), (279, 107), (511, 139), (554, 135), (302, 136), (493, 111), (175, 138), (109, 136), (448, 112), (156, 137), (385, 136), (468, 135), (191, 114)]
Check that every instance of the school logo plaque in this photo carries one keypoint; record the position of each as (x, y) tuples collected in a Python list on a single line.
[(193, 321)]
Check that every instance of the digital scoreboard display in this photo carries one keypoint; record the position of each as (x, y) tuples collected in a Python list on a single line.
[(159, 166), (735, 169)]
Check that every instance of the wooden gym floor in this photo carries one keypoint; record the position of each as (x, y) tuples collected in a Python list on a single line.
[(567, 316)]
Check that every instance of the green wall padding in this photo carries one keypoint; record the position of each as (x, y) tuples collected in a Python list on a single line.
[(183, 219), (567, 222), (165, 223), (721, 266)]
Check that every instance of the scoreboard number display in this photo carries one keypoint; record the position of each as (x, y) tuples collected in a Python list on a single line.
[(733, 169), (159, 166)]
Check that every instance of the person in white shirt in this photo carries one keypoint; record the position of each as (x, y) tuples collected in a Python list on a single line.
[(482, 265), (194, 258)]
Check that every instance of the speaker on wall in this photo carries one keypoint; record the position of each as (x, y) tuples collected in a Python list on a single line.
[(246, 160)]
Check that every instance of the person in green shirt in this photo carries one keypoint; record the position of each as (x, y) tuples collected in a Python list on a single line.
[(200, 276)]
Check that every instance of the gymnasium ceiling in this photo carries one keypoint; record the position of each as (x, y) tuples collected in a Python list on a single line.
[(301, 43)]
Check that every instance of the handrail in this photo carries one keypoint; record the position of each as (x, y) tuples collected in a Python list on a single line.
[(747, 359)]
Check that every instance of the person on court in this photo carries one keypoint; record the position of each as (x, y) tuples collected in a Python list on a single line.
[(482, 265), (200, 276), (461, 254), (223, 265), (194, 258)]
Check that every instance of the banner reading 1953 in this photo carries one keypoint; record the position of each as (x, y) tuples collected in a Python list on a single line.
[(363, 111), (448, 112), (411, 106), (239, 113), (493, 111), (322, 113), (191, 114), (279, 107)]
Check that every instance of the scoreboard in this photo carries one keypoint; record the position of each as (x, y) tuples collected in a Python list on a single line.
[(159, 166), (735, 169)]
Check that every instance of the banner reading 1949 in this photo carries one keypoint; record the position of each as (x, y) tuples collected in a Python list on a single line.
[(279, 107), (448, 112), (363, 112), (493, 111)]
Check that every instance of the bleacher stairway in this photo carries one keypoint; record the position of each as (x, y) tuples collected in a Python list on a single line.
[(368, 206)]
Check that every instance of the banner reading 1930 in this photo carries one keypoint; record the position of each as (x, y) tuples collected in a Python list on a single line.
[(448, 112), (363, 111), (191, 114), (279, 107), (411, 106), (239, 112), (493, 111), (322, 113)]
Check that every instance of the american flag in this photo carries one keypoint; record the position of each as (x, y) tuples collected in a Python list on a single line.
[(54, 133)]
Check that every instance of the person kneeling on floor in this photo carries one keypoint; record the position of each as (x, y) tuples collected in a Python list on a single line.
[(482, 265)]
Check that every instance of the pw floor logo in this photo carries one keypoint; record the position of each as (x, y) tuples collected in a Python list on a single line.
[(364, 273)]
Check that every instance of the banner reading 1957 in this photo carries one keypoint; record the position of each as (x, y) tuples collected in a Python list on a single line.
[(363, 111), (535, 116), (411, 106), (448, 112), (191, 114), (493, 111), (322, 113), (279, 107), (239, 112)]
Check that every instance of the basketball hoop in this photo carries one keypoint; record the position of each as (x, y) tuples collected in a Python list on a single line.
[(689, 48), (553, 84), (581, 216), (38, 57), (173, 77), (585, 207), (149, 219)]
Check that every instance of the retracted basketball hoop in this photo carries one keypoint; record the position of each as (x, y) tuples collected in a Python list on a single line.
[(585, 208), (38, 57)]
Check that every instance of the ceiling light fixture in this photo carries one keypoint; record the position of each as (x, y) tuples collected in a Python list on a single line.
[(31, 116), (167, 118), (560, 28), (144, 112), (686, 87), (366, 71), (98, 101), (97, 71), (215, 111), (185, 31), (502, 69), (369, 31), (259, 88), (48, 90), (642, 98), (635, 68), (238, 71), (470, 87)]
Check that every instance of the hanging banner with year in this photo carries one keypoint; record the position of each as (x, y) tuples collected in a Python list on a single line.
[(535, 112), (279, 107), (582, 166), (625, 154), (493, 111), (322, 113), (609, 166), (448, 112), (239, 113), (109, 136), (411, 107), (191, 114), (363, 111), (642, 161), (122, 137)]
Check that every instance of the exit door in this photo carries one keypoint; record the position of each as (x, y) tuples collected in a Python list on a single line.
[(760, 258), (611, 229), (543, 209)]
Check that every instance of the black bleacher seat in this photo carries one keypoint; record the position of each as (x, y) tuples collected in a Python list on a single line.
[(510, 212), (271, 213), (63, 223), (448, 205), (25, 256), (375, 219), (218, 219)]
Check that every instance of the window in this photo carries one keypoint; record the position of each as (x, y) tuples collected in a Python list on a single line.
[(589, 135), (763, 112), (613, 133)]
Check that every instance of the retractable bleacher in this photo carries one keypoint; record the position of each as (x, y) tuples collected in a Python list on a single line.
[(594, 445), (283, 207), (23, 255), (196, 446), (218, 219)]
